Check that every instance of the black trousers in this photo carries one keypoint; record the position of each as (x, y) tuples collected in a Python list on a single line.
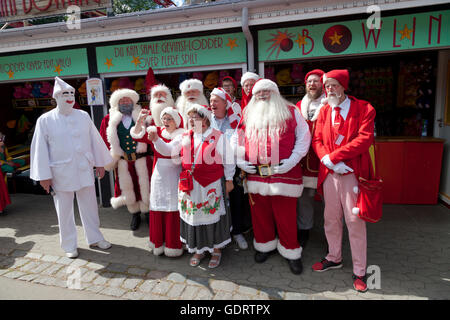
[(240, 207)]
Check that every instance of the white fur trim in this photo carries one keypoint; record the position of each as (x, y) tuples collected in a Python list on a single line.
[(122, 93), (355, 189), (305, 103), (249, 75), (152, 129), (310, 182), (275, 189), (160, 88), (144, 207), (134, 135), (141, 147), (133, 208), (126, 187), (201, 110), (191, 84), (265, 84), (156, 251), (173, 113), (144, 184), (169, 252), (292, 254), (171, 136), (265, 247)]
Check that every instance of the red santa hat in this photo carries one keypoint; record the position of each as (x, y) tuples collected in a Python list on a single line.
[(203, 111), (174, 114), (150, 80), (342, 76), (317, 72), (249, 75), (265, 84), (233, 112), (191, 84)]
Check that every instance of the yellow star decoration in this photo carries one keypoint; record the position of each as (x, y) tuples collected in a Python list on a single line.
[(232, 44), (58, 69), (336, 38), (405, 32), (109, 63), (136, 61), (301, 41), (10, 74)]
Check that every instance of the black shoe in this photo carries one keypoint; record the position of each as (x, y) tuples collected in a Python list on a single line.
[(261, 257), (296, 266), (147, 219), (135, 221), (303, 237)]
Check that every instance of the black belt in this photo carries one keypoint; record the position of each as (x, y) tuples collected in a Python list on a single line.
[(134, 156)]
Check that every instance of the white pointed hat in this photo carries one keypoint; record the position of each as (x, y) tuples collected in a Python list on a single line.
[(61, 86)]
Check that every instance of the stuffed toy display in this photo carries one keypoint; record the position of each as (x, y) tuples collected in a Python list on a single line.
[(211, 80), (283, 77), (46, 89)]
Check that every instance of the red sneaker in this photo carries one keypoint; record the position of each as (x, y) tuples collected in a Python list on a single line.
[(359, 283), (325, 265)]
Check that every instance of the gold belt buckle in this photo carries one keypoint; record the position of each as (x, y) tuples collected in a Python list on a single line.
[(265, 170), (133, 156)]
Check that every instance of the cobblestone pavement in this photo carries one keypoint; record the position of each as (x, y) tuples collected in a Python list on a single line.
[(411, 247)]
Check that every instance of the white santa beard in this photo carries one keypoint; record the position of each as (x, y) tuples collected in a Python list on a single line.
[(262, 119), (156, 109), (333, 100)]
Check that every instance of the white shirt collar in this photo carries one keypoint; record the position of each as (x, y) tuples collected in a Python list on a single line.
[(345, 108)]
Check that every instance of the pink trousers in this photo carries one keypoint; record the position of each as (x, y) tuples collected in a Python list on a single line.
[(339, 201)]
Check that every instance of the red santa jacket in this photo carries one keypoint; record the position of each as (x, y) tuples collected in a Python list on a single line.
[(358, 135)]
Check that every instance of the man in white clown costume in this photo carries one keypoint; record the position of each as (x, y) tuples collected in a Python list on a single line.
[(309, 106), (164, 231), (132, 161), (66, 146), (191, 93), (270, 141)]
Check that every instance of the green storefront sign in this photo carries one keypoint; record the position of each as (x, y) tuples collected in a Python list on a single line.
[(44, 65), (396, 33), (177, 53)]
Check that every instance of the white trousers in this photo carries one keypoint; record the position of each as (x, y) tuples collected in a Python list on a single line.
[(87, 205)]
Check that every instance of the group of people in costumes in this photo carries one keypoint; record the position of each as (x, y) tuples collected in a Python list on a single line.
[(195, 167)]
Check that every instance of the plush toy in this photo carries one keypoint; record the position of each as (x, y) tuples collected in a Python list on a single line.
[(82, 90), (139, 85), (46, 89), (27, 91), (297, 73), (211, 80), (284, 77), (17, 92), (114, 85), (269, 73), (125, 83)]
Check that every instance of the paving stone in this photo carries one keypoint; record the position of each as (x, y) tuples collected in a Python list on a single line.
[(117, 267), (162, 287), (147, 286), (95, 266), (156, 274), (49, 258), (18, 253), (78, 263), (49, 281), (14, 274), (131, 284), (29, 266), (100, 280), (28, 277), (137, 271), (189, 292), (176, 290), (295, 296), (65, 261), (133, 296), (116, 292), (152, 296), (89, 276), (94, 288), (52, 270), (220, 285), (19, 262), (223, 295), (176, 277), (116, 281), (247, 290)]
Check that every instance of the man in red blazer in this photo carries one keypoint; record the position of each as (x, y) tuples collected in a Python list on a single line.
[(344, 131)]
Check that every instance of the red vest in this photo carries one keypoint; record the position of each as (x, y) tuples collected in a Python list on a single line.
[(285, 146), (208, 164)]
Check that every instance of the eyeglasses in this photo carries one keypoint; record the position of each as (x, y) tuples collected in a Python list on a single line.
[(195, 117)]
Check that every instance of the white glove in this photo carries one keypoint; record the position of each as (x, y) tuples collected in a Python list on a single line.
[(327, 162), (284, 166), (342, 168), (246, 166)]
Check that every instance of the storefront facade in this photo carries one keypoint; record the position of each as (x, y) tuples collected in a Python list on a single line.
[(399, 65)]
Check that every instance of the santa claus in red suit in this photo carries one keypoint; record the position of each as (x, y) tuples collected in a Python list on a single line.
[(271, 139), (191, 93), (344, 132), (132, 162), (160, 98), (164, 217), (309, 107)]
